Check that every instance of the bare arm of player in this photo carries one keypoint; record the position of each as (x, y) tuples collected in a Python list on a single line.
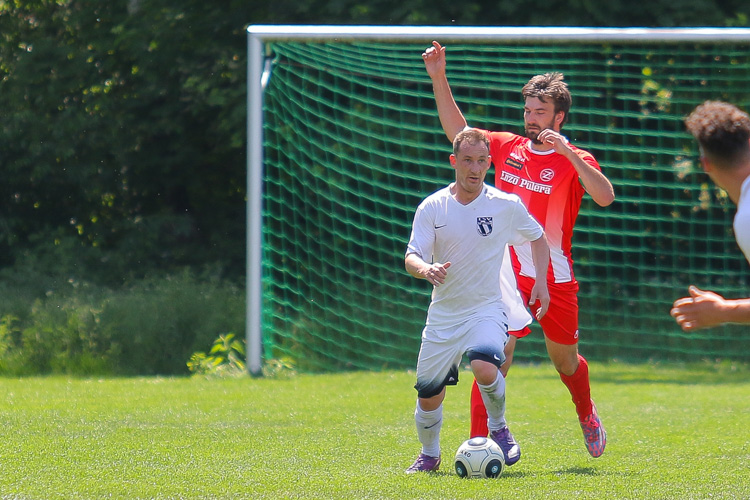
[(451, 118), (540, 292), (594, 181), (704, 309), (434, 273)]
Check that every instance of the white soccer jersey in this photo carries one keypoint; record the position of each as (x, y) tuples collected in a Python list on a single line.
[(742, 219), (473, 239)]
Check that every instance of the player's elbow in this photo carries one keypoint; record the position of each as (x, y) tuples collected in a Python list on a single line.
[(453, 129), (603, 197), (606, 200), (411, 265)]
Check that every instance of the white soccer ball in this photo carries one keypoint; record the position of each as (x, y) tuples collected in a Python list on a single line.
[(479, 457)]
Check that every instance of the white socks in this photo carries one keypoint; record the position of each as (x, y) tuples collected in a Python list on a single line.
[(493, 396), (428, 429)]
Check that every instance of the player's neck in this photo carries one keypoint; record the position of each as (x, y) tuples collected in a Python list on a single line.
[(462, 196), (734, 186)]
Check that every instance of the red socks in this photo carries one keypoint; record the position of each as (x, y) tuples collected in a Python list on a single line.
[(577, 384), (478, 413), (580, 390)]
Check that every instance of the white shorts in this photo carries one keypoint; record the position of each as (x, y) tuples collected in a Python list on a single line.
[(481, 338)]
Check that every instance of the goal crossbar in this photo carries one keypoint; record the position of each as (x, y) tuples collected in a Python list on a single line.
[(496, 33)]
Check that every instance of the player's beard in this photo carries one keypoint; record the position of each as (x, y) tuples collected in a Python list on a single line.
[(534, 134)]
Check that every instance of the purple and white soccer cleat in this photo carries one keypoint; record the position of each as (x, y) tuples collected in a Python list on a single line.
[(508, 444), (424, 463)]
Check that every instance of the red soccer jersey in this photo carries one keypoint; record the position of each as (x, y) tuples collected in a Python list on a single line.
[(549, 186)]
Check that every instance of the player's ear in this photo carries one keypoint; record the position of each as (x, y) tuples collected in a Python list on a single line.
[(559, 119), (705, 164), (453, 160)]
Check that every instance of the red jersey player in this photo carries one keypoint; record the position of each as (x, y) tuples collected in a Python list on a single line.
[(550, 175)]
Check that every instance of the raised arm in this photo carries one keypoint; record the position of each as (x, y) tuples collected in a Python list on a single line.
[(451, 118)]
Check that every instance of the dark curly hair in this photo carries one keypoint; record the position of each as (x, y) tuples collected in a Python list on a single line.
[(550, 86), (722, 131)]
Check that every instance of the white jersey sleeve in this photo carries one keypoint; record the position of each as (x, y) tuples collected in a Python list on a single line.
[(422, 239)]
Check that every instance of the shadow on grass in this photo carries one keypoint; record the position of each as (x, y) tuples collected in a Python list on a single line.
[(509, 473), (573, 471), (570, 471), (579, 471)]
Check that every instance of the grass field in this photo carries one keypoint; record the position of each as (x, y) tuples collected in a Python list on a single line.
[(674, 432)]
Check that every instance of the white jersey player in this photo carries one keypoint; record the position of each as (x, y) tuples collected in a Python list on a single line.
[(458, 243)]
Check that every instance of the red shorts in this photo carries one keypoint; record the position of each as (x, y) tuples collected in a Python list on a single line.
[(560, 324)]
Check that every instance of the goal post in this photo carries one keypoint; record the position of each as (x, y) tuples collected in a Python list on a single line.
[(349, 141)]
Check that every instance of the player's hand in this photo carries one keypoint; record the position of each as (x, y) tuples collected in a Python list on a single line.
[(539, 297), (556, 139), (702, 309), (434, 60), (436, 273)]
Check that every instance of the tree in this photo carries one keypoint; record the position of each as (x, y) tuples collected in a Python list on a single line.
[(122, 139), (123, 133)]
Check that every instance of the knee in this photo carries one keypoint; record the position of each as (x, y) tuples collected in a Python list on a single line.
[(566, 366), (485, 373), (564, 357)]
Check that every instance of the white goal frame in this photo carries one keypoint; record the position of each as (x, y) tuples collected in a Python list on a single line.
[(259, 70)]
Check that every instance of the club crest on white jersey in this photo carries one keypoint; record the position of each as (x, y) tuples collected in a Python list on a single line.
[(484, 226)]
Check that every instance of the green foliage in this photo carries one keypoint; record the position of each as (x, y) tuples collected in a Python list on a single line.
[(122, 135), (149, 327), (7, 332), (64, 337), (123, 122), (225, 359), (279, 368), (659, 13)]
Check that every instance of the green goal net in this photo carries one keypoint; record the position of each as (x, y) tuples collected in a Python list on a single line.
[(352, 143)]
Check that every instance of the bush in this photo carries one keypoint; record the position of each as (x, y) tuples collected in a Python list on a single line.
[(148, 328), (225, 359)]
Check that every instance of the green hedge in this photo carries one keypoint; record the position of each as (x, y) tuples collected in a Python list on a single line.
[(151, 327)]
